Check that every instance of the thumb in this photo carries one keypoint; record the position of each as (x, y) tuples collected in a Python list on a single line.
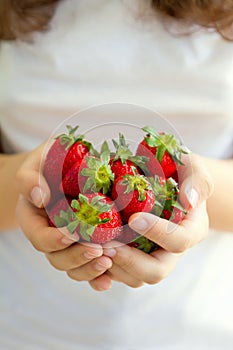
[(197, 187), (30, 182)]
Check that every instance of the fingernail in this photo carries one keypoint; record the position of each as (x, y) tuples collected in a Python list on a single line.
[(68, 237), (91, 255), (37, 196), (139, 224), (66, 240), (192, 196)]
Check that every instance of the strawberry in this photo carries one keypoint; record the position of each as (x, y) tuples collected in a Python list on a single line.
[(132, 193), (123, 161), (64, 152), (135, 240), (163, 152), (94, 217), (167, 204)]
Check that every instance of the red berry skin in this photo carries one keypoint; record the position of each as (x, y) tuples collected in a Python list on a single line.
[(52, 168), (72, 182), (167, 166), (110, 230), (128, 203), (62, 204), (120, 169), (176, 214), (75, 154)]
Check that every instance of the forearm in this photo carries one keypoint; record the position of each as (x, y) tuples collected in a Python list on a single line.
[(9, 164), (220, 204)]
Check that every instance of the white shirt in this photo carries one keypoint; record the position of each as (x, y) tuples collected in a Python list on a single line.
[(96, 52)]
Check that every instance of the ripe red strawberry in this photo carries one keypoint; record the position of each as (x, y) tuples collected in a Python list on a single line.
[(163, 151), (132, 193), (135, 240), (95, 218), (124, 160), (62, 155)]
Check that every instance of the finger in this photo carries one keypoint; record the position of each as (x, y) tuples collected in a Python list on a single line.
[(74, 256), (34, 224), (101, 283), (91, 270), (116, 273), (168, 235), (197, 184), (30, 183), (148, 268)]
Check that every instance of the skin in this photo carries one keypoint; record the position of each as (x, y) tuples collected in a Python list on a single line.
[(100, 265)]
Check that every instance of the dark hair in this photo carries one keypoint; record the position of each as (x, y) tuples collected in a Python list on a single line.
[(18, 18)]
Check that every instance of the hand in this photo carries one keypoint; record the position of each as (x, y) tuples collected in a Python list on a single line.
[(133, 267), (80, 261)]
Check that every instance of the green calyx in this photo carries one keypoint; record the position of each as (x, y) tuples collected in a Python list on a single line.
[(124, 153), (138, 183), (145, 244), (64, 218), (166, 196), (164, 142), (70, 138), (99, 174), (87, 215)]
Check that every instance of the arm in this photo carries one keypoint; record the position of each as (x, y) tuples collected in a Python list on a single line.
[(9, 165), (220, 204)]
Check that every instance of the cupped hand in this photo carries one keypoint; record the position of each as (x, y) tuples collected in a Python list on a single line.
[(133, 267), (81, 262)]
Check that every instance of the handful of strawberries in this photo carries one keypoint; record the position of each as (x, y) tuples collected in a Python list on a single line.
[(95, 193)]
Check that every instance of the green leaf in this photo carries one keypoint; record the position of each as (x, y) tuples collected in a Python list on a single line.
[(75, 204), (83, 199), (105, 157), (72, 226), (59, 222), (96, 200), (105, 147), (89, 184), (160, 152), (150, 131)]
